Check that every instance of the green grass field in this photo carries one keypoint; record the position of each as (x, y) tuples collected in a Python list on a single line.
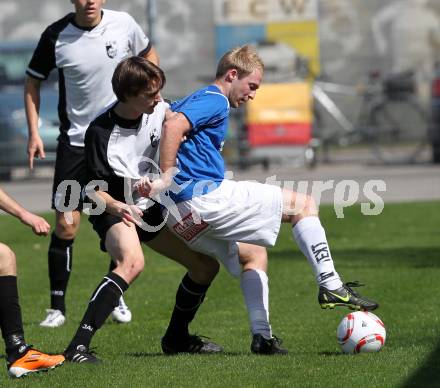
[(397, 255)]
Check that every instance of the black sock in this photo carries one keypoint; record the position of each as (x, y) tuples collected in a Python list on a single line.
[(189, 297), (10, 318), (112, 266), (104, 299), (60, 264)]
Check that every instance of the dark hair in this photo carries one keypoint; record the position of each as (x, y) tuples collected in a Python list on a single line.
[(244, 58), (136, 75)]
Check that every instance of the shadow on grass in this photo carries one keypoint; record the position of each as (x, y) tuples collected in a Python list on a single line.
[(146, 354), (332, 354), (158, 354), (424, 257), (32, 323), (428, 375)]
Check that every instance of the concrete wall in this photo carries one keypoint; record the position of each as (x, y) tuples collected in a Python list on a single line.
[(392, 35), (184, 32), (405, 34)]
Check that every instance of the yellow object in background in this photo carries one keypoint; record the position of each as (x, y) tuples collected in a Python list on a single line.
[(300, 35), (281, 103)]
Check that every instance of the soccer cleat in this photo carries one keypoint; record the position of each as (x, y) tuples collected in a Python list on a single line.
[(55, 318), (345, 296), (121, 313), (261, 345), (81, 354), (191, 344), (34, 361)]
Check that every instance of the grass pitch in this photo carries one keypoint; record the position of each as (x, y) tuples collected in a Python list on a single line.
[(396, 254)]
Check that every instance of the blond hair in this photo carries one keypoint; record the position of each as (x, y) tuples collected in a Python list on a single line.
[(244, 59)]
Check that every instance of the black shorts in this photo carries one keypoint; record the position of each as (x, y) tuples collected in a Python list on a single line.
[(152, 216), (70, 165)]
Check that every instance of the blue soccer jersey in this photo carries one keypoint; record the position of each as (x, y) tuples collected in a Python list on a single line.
[(199, 157)]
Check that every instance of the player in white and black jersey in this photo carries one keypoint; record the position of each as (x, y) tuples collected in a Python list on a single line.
[(121, 146), (85, 47)]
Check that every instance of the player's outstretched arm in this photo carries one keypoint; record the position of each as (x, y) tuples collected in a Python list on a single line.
[(35, 147), (38, 224)]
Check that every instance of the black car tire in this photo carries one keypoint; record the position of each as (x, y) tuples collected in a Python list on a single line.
[(5, 175), (436, 153)]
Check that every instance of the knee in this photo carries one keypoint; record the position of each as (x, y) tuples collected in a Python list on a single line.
[(204, 270), (66, 229), (253, 257), (310, 208), (131, 266), (7, 261), (304, 205), (138, 265), (211, 267)]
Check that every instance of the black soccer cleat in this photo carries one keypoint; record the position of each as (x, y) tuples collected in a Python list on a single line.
[(345, 296), (190, 344), (81, 355), (261, 345)]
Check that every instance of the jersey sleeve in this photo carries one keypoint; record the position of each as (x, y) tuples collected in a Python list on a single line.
[(204, 110), (43, 59), (139, 42), (91, 153), (95, 151)]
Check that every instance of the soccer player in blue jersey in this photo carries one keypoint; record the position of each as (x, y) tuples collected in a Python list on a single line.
[(217, 215)]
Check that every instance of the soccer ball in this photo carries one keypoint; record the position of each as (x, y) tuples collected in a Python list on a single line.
[(360, 332)]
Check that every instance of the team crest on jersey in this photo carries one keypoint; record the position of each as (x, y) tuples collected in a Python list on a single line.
[(111, 48), (154, 135), (154, 139)]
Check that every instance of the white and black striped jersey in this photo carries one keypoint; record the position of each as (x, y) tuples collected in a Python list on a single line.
[(86, 60), (117, 149)]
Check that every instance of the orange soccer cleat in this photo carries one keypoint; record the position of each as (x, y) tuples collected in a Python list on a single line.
[(34, 361)]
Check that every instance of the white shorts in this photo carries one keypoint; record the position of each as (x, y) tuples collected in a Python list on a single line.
[(213, 223)]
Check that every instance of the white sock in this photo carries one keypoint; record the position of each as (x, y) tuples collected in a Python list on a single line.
[(255, 288), (310, 236)]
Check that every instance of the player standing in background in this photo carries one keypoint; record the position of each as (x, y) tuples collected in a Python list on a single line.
[(85, 47), (21, 358), (227, 211)]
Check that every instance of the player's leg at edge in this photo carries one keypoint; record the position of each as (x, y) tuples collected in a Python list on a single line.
[(21, 358)]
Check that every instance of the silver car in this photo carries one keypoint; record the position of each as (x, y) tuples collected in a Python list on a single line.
[(14, 58)]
